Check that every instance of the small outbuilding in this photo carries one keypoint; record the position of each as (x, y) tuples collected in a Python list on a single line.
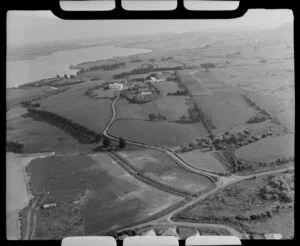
[(50, 205)]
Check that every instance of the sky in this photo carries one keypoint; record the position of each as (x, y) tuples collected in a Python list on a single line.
[(26, 27)]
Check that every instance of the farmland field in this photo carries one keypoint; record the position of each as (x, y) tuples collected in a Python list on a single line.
[(226, 109), (103, 93), (204, 161), (167, 87), (157, 133), (159, 166), (102, 188), (78, 107), (126, 109), (39, 136), (268, 149), (173, 107), (194, 86)]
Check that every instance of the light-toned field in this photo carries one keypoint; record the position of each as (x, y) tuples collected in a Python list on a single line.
[(268, 149), (159, 166), (227, 109), (150, 132), (167, 86), (203, 161), (78, 107), (103, 189), (39, 136), (172, 107)]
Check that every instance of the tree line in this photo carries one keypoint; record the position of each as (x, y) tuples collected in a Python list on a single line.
[(82, 133), (104, 67), (150, 68), (14, 147)]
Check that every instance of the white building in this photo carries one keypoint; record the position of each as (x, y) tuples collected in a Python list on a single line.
[(116, 86), (145, 93)]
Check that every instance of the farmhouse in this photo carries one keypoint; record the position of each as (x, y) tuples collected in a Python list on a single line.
[(50, 205), (116, 86), (145, 92)]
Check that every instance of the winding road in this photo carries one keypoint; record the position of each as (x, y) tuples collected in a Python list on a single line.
[(219, 181)]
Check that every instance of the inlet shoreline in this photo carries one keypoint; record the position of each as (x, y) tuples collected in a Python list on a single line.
[(18, 193)]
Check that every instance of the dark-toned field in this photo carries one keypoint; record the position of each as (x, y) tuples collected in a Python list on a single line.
[(95, 185)]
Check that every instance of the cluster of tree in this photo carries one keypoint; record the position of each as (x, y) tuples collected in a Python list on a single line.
[(166, 58), (106, 143), (28, 103), (89, 91), (158, 116), (257, 118), (206, 66), (178, 93), (104, 67), (263, 61), (82, 133), (150, 68), (256, 107), (277, 189), (256, 216), (14, 147), (135, 60), (152, 60), (140, 99)]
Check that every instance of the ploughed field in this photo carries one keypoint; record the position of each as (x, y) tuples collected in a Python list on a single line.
[(159, 166), (95, 188), (158, 133)]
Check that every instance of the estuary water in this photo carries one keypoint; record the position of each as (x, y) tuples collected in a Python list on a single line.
[(24, 71)]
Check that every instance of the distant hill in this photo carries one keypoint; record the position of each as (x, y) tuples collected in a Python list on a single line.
[(283, 33)]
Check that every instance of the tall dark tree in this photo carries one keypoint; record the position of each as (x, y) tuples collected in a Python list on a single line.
[(122, 143), (106, 142)]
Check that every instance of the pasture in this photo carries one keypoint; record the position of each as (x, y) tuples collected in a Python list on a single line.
[(39, 136), (167, 87), (227, 109), (194, 85), (126, 109), (172, 107), (78, 107), (268, 149), (159, 166), (203, 160), (101, 188), (151, 132)]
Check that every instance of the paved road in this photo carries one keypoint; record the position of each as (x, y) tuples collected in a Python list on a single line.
[(32, 216), (166, 219), (213, 177), (220, 182)]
